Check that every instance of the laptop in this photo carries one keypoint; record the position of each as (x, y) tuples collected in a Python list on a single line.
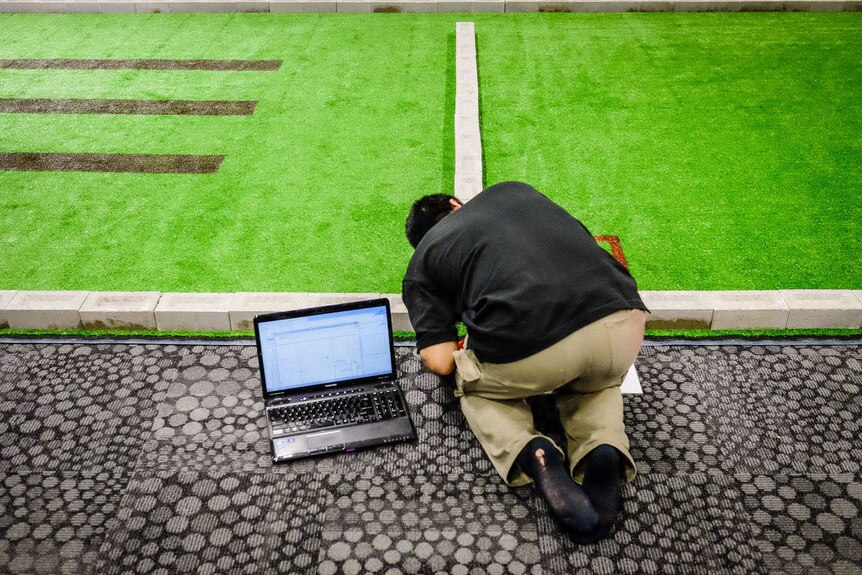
[(329, 380)]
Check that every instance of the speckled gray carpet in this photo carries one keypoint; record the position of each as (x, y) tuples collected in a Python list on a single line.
[(153, 459)]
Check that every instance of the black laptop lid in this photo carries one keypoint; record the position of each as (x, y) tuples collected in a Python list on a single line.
[(323, 347)]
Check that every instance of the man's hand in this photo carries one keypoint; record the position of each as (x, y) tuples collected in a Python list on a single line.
[(438, 358)]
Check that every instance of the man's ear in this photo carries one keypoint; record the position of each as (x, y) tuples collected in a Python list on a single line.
[(454, 203)]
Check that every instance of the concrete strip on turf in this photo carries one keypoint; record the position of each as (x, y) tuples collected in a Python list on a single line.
[(45, 309), (155, 107), (765, 6), (252, 6), (198, 6), (717, 310), (194, 311), (834, 6), (120, 310), (67, 7), (739, 5), (677, 310), (246, 305), (473, 6), (324, 6), (384, 7), (468, 141), (5, 297), (748, 309), (321, 299), (823, 308), (400, 317), (538, 6), (302, 6)]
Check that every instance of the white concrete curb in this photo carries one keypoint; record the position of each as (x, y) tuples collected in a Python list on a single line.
[(46, 309), (725, 310), (5, 297), (119, 310), (408, 6), (194, 311), (822, 308)]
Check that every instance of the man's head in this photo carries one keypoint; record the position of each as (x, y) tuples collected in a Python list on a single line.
[(426, 212)]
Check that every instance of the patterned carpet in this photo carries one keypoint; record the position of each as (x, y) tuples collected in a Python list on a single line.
[(128, 458)]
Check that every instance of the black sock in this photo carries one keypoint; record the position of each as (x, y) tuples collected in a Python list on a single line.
[(602, 469), (569, 504)]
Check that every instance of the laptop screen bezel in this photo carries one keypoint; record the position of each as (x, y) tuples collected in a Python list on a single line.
[(270, 317)]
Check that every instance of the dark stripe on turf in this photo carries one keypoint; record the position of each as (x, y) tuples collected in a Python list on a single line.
[(178, 107), (136, 163), (212, 65)]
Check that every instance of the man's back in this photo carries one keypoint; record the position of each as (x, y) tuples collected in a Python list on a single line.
[(518, 270)]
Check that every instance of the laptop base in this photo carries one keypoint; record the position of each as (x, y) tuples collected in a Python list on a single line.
[(300, 446)]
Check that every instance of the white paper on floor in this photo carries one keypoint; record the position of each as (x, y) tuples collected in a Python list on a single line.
[(631, 383)]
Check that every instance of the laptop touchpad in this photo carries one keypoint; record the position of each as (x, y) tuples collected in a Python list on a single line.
[(324, 440)]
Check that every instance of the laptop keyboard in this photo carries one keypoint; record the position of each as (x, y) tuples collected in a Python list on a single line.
[(341, 410)]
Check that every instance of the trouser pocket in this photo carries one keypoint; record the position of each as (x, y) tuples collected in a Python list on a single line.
[(467, 370)]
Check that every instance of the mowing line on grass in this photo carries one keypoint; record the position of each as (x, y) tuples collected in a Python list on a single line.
[(132, 163), (97, 64), (163, 107)]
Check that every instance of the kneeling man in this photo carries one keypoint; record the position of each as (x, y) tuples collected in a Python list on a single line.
[(546, 310)]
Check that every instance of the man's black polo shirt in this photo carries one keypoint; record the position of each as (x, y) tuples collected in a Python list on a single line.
[(518, 270)]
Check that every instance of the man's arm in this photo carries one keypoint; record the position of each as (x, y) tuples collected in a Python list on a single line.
[(438, 358), (433, 318)]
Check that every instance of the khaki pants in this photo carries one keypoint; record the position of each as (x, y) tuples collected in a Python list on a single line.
[(584, 370)]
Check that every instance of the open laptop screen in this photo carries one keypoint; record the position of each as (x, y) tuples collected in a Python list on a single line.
[(325, 348)]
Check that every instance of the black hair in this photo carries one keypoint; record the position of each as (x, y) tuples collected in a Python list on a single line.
[(425, 213)]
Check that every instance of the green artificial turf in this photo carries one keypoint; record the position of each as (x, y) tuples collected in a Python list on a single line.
[(723, 149), (315, 185)]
